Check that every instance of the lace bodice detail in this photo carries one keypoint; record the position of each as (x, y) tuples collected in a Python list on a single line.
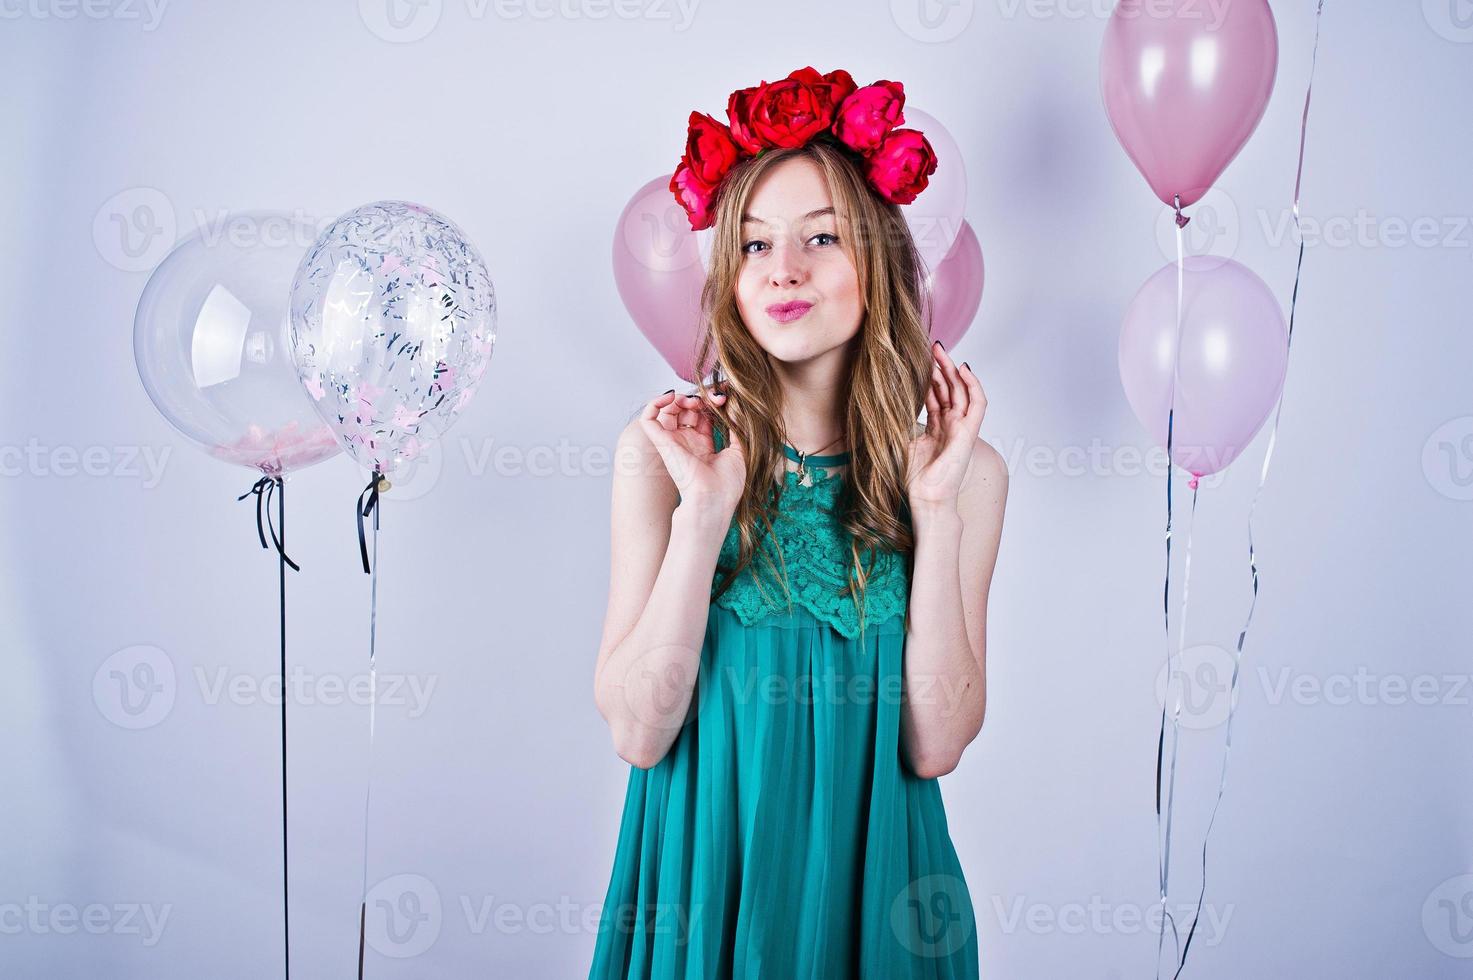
[(815, 551)]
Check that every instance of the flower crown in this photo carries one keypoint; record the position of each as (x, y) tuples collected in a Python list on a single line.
[(792, 112)]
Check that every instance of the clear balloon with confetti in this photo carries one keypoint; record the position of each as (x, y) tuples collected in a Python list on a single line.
[(393, 318)]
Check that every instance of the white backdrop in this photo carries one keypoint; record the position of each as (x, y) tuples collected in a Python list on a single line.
[(147, 845)]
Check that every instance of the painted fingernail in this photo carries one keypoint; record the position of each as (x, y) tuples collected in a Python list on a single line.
[(667, 391), (966, 365)]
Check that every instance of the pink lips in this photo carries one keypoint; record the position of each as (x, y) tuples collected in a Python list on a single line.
[(788, 312)]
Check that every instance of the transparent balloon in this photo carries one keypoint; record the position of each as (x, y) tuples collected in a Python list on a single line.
[(393, 319), (210, 342)]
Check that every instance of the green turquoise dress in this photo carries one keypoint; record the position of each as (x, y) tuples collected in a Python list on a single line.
[(782, 837)]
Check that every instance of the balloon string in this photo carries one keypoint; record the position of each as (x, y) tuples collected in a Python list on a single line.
[(262, 489), (1164, 839), (283, 560), (372, 702), (368, 504), (1258, 491)]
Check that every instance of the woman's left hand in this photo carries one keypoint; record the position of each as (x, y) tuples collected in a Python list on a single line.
[(939, 457)]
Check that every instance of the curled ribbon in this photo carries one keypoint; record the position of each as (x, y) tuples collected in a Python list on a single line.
[(368, 504), (262, 489)]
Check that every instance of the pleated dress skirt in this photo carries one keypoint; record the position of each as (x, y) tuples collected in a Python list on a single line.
[(782, 837)]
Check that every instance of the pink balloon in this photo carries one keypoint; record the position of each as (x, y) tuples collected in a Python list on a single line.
[(1234, 353), (935, 216), (955, 289), (1185, 84), (659, 272)]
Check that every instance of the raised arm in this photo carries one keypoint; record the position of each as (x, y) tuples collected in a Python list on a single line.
[(673, 499)]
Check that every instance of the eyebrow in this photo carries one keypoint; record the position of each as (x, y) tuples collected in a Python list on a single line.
[(815, 213)]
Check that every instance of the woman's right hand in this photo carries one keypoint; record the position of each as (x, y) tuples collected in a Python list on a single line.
[(680, 428)]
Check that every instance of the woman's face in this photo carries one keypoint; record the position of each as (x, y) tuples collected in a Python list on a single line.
[(797, 292)]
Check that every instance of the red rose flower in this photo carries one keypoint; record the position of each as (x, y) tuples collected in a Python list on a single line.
[(866, 117), (709, 148), (694, 194), (738, 113), (902, 165), (789, 112)]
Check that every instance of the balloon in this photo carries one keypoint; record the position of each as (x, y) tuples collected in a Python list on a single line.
[(659, 272), (935, 216), (1234, 354), (393, 318), (1185, 84), (210, 342), (955, 289)]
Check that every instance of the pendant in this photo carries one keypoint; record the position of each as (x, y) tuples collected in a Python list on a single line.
[(806, 479)]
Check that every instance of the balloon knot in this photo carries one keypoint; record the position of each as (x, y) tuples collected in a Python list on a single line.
[(1193, 481)]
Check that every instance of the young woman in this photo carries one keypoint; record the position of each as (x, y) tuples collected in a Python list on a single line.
[(794, 648)]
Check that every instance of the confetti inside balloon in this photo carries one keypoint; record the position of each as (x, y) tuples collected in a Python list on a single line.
[(393, 318)]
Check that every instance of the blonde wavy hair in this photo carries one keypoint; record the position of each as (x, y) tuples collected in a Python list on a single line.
[(884, 390)]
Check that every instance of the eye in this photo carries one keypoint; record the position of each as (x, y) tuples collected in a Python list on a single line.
[(747, 248), (832, 239)]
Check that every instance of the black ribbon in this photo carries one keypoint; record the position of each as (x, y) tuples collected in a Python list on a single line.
[(370, 495), (263, 488)]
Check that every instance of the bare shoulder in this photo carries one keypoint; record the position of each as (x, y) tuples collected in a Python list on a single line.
[(987, 474), (638, 462)]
